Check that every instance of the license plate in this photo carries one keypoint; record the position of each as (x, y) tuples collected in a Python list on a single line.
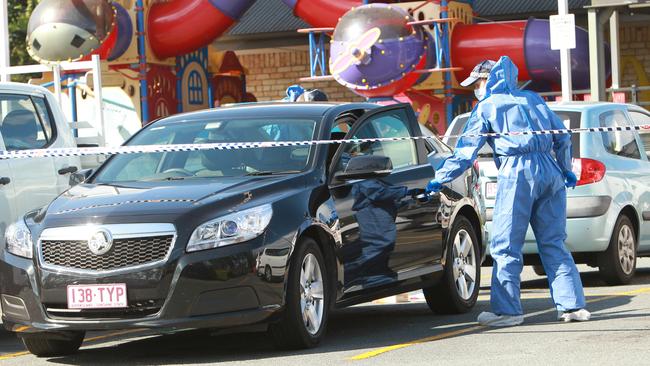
[(102, 296), (490, 190)]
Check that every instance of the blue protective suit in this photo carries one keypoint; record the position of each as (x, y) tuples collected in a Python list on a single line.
[(530, 189)]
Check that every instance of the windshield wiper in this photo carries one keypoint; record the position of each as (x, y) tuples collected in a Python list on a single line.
[(272, 172)]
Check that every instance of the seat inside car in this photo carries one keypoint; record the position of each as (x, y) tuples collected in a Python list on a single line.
[(220, 162), (342, 124), (19, 129)]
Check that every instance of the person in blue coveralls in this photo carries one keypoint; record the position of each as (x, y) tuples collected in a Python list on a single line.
[(531, 189)]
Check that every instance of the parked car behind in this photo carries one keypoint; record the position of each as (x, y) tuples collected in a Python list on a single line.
[(608, 215), (173, 239), (30, 118)]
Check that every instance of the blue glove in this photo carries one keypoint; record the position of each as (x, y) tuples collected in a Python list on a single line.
[(571, 180), (433, 187)]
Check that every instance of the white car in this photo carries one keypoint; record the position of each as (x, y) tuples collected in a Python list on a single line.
[(30, 118), (608, 213), (271, 262)]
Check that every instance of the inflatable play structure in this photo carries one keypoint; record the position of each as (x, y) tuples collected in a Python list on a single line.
[(157, 59)]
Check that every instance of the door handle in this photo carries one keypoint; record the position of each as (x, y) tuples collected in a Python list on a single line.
[(4, 181), (70, 169)]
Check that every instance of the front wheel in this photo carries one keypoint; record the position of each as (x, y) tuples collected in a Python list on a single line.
[(304, 319), (52, 346), (618, 263), (458, 291), (268, 274)]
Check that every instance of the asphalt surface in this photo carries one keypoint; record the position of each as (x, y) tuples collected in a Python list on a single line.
[(408, 333)]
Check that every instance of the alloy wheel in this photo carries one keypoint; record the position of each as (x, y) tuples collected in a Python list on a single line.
[(626, 249), (311, 294), (464, 264)]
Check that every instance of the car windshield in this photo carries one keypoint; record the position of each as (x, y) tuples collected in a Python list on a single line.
[(212, 163)]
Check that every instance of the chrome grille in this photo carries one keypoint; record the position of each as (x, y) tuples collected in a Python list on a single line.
[(124, 253), (137, 309)]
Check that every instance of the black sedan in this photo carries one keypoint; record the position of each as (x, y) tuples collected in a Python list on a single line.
[(274, 237)]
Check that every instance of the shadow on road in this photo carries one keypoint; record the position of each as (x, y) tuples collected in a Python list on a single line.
[(591, 279), (354, 329)]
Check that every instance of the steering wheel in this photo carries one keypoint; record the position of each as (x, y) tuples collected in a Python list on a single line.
[(184, 172)]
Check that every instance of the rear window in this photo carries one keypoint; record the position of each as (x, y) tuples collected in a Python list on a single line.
[(572, 120), (641, 119), (621, 143)]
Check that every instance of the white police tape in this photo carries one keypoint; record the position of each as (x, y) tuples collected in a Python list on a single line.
[(84, 151)]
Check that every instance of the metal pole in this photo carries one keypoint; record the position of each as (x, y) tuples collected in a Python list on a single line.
[(4, 37), (444, 13), (597, 19), (99, 103), (72, 93), (312, 63), (565, 59), (142, 65), (56, 76), (616, 49)]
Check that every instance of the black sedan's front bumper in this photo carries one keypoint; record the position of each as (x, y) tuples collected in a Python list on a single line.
[(213, 288)]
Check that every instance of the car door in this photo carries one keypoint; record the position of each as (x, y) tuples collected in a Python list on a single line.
[(642, 118), (7, 209), (34, 179), (53, 120), (387, 235)]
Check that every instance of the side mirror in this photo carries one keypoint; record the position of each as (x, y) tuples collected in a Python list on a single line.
[(80, 176), (366, 166)]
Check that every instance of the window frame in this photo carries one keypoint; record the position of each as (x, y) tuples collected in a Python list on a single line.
[(48, 111), (420, 150), (606, 134), (195, 88), (646, 148)]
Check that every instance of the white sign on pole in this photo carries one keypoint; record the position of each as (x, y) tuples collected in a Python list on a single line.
[(563, 32)]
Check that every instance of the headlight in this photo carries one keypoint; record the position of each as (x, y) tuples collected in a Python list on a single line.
[(18, 239), (231, 229)]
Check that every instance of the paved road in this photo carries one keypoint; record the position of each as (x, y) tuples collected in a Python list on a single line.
[(387, 334)]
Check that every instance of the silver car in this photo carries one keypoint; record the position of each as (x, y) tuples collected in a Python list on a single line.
[(608, 213)]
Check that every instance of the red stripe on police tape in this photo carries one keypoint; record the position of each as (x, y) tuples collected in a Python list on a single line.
[(85, 151)]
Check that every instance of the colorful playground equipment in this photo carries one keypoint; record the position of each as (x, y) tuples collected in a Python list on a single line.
[(439, 44), (155, 54), (158, 62)]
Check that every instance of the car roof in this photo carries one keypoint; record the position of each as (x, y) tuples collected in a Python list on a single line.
[(578, 106), (584, 106), (21, 88), (271, 110)]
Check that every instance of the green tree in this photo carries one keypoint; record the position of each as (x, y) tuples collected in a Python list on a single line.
[(19, 12)]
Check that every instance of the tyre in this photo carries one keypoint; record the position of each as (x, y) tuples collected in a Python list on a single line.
[(268, 274), (618, 263), (52, 346), (304, 318), (539, 270), (458, 290)]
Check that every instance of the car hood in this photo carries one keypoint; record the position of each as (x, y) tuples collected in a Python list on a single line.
[(157, 201)]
